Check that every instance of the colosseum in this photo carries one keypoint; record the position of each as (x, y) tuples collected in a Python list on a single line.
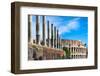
[(76, 48)]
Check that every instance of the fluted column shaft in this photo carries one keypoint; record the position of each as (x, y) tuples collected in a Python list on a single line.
[(48, 34), (59, 42), (29, 28), (51, 35), (37, 30), (55, 43), (44, 39), (57, 39)]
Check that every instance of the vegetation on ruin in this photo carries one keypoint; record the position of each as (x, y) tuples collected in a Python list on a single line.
[(67, 52)]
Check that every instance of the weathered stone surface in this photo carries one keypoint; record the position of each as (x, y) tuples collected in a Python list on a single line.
[(37, 52)]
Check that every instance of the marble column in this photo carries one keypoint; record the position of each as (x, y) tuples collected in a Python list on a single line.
[(52, 35), (59, 42), (37, 30), (86, 52), (43, 36), (48, 30), (55, 43), (73, 53), (29, 28), (57, 39)]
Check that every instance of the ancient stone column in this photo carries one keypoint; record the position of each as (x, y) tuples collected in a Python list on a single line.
[(86, 52), (59, 42), (44, 39), (55, 43), (48, 34), (29, 28), (81, 53), (37, 30), (51, 35), (57, 39), (73, 52), (76, 52), (69, 49)]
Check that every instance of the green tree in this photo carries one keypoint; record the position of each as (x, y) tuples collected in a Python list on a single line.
[(67, 52), (85, 45)]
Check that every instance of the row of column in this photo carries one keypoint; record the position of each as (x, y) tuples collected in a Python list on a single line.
[(54, 42), (78, 52)]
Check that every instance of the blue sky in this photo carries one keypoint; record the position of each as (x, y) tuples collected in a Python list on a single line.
[(70, 27)]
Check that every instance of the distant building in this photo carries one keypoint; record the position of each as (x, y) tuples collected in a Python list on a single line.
[(76, 48)]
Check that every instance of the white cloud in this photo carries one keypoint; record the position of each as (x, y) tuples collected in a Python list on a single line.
[(68, 27), (71, 25)]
